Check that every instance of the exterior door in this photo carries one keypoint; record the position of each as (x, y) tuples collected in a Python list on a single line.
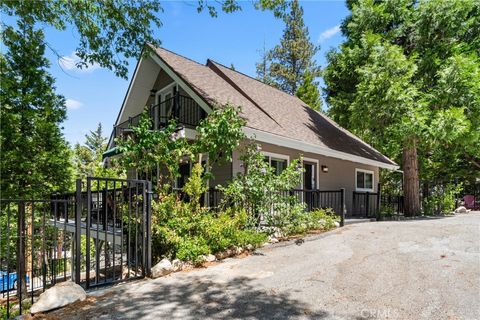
[(309, 175), (309, 183), (165, 103)]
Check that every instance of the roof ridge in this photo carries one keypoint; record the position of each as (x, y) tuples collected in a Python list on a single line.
[(179, 55)]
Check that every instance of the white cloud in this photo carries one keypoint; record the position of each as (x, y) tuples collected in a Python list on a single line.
[(69, 63), (73, 104), (327, 34)]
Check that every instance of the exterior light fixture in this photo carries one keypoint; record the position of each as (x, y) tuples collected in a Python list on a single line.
[(153, 92), (324, 168)]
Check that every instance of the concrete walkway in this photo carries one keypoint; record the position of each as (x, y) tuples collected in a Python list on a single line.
[(422, 269)]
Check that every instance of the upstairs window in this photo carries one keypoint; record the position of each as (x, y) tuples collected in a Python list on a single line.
[(364, 180)]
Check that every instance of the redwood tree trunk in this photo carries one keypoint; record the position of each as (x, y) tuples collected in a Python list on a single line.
[(411, 183)]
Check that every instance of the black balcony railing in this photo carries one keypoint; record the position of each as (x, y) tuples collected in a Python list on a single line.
[(179, 107)]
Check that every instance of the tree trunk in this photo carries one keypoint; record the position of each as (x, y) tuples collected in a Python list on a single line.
[(411, 183)]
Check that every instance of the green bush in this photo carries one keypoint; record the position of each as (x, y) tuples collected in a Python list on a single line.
[(442, 200), (302, 221), (186, 231)]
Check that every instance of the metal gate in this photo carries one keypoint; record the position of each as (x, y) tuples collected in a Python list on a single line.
[(113, 230), (98, 235)]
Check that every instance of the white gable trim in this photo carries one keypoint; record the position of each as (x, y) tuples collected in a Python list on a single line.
[(268, 137), (182, 83), (130, 85)]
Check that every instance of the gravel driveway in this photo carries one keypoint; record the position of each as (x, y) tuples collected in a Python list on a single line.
[(422, 269)]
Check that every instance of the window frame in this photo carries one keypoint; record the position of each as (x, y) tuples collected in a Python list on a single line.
[(275, 156), (373, 180)]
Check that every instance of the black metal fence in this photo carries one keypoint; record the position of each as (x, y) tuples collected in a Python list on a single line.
[(98, 235), (312, 199), (376, 205), (35, 243)]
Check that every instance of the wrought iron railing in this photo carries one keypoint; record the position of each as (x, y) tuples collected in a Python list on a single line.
[(179, 107)]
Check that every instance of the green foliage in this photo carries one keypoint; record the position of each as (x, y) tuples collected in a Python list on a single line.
[(409, 71), (290, 65), (261, 191), (109, 32), (35, 157), (442, 199), (308, 91), (181, 231), (88, 159), (219, 134)]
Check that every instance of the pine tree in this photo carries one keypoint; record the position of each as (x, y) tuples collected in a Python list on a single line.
[(308, 91), (95, 141), (291, 64), (35, 157)]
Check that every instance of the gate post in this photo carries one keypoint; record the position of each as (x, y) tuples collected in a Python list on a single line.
[(344, 208), (367, 204), (78, 230), (148, 225), (379, 201)]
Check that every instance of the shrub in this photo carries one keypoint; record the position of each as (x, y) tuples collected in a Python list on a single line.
[(186, 231), (442, 199)]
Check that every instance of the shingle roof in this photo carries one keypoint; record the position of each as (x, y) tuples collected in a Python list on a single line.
[(266, 108)]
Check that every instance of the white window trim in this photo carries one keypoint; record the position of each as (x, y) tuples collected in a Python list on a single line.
[(276, 156), (317, 173), (161, 91), (373, 180)]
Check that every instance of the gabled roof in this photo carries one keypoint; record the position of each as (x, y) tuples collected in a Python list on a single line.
[(266, 108)]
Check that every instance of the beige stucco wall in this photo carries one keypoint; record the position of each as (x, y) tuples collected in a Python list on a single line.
[(341, 173)]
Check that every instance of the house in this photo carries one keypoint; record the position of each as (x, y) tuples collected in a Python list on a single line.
[(284, 126)]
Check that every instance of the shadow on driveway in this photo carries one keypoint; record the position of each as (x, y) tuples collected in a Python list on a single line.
[(199, 298)]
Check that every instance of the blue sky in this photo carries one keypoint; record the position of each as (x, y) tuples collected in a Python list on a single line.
[(95, 95)]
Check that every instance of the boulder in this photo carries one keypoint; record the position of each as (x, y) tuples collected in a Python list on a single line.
[(177, 265), (162, 268), (59, 295), (461, 209), (209, 258), (273, 240)]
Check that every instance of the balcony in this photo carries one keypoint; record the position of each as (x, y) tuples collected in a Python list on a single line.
[(181, 108)]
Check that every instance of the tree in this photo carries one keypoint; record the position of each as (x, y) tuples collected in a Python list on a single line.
[(88, 158), (407, 81), (308, 91), (109, 32), (290, 65), (35, 156)]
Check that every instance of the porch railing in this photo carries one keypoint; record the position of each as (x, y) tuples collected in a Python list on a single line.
[(312, 199), (182, 108)]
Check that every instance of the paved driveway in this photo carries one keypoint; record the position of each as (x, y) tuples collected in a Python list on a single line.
[(424, 269)]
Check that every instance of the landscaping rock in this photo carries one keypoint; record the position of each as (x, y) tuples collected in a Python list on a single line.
[(238, 250), (177, 265), (210, 258), (461, 209), (60, 295), (249, 247), (162, 268), (273, 240), (337, 224)]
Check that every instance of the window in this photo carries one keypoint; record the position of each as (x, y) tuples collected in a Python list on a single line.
[(278, 162), (364, 180)]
